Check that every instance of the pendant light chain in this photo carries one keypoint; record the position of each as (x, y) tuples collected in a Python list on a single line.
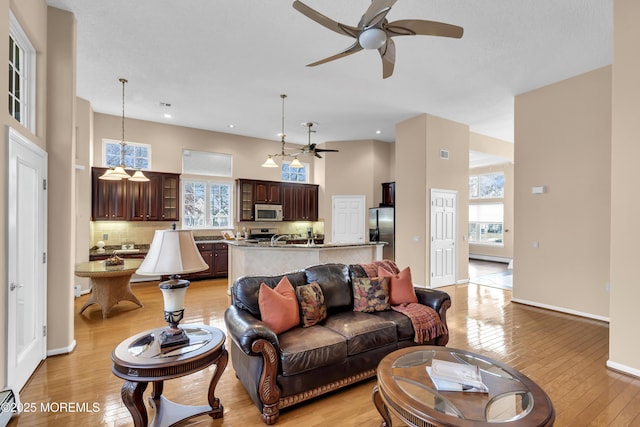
[(122, 143)]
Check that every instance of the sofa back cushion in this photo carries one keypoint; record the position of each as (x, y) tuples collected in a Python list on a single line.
[(335, 284), (245, 290)]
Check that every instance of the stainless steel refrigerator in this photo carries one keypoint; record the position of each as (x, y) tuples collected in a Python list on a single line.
[(382, 229)]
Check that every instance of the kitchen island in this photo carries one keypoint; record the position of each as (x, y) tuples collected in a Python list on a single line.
[(265, 260)]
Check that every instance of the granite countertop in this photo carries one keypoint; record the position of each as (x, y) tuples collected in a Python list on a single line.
[(281, 245)]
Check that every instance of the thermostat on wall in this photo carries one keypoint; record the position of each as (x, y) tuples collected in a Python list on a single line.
[(539, 190)]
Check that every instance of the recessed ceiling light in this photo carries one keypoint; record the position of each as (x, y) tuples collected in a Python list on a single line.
[(378, 132), (231, 126), (167, 115)]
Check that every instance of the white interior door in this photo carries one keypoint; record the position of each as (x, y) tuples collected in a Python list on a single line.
[(26, 267), (443, 237), (348, 219)]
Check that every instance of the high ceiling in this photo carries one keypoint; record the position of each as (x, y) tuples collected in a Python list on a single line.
[(221, 63)]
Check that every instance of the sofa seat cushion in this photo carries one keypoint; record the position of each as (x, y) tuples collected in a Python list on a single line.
[(303, 349), (404, 327), (363, 331)]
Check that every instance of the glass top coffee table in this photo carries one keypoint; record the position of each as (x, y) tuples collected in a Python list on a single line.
[(405, 388)]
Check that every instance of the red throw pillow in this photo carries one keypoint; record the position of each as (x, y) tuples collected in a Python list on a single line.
[(279, 306), (400, 286)]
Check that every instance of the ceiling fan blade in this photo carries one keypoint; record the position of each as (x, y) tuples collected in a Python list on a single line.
[(376, 13), (412, 27), (388, 56), (352, 49), (315, 153), (325, 21), (326, 150)]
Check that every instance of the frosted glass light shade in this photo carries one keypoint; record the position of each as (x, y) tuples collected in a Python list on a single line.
[(109, 176), (138, 176), (373, 38), (172, 252), (119, 171), (269, 163), (295, 163)]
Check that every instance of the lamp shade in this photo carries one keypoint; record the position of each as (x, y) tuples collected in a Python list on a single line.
[(172, 252), (295, 163), (269, 163), (139, 176)]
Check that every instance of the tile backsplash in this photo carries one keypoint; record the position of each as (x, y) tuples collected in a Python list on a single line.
[(141, 233), (124, 232)]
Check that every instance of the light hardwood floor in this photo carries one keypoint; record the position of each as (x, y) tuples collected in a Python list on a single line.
[(565, 354)]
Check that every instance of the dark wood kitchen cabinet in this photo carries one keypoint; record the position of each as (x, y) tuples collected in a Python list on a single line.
[(299, 201), (267, 192), (388, 194), (155, 200), (245, 198), (144, 202), (108, 198), (220, 260), (216, 257)]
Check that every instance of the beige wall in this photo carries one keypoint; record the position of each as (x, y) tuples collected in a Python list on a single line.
[(563, 142), (61, 132), (624, 345), (419, 170)]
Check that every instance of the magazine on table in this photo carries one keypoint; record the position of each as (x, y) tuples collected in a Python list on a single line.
[(452, 376)]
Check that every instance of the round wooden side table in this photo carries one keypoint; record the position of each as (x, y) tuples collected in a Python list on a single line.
[(139, 360)]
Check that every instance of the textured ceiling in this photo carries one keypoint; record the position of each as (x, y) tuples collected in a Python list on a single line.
[(227, 62)]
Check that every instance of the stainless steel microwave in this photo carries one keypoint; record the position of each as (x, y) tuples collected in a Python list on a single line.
[(268, 212)]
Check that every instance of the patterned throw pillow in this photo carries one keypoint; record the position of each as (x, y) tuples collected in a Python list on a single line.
[(400, 286), (279, 306), (371, 294), (312, 306)]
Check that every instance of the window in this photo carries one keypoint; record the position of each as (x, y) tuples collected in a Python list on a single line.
[(486, 186), (206, 204), (22, 81), (136, 156), (206, 163), (486, 224), (290, 174)]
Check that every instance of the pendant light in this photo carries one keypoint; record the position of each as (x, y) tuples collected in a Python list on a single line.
[(118, 172), (270, 162)]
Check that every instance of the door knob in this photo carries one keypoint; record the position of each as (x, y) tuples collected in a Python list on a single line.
[(13, 286)]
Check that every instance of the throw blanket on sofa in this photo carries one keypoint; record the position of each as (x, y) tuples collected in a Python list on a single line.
[(371, 268), (426, 322)]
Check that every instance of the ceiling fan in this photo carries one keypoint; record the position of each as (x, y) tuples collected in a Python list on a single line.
[(310, 149), (374, 31)]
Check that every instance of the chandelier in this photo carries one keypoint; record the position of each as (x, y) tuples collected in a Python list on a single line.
[(270, 162), (117, 173)]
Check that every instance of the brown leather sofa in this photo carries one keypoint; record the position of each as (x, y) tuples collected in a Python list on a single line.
[(279, 371)]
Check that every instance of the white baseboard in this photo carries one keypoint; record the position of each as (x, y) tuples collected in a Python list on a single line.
[(561, 309), (63, 350), (623, 368), (490, 258)]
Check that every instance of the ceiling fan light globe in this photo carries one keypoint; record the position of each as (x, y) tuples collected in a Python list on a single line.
[(372, 38)]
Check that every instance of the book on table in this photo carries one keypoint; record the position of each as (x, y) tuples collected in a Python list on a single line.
[(452, 376)]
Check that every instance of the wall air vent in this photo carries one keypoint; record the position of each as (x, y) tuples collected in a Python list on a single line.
[(444, 154)]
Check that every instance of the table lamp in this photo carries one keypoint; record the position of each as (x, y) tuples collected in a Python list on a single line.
[(172, 252)]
